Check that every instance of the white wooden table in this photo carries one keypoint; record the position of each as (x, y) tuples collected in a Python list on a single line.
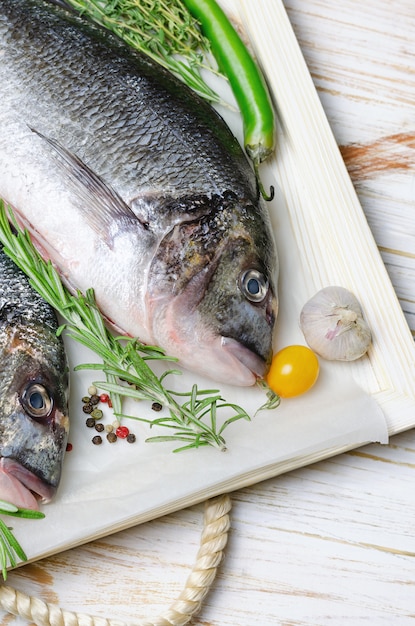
[(333, 543)]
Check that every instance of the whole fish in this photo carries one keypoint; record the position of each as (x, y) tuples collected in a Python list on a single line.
[(134, 186), (33, 392)]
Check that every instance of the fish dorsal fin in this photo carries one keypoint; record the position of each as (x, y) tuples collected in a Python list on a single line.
[(105, 210)]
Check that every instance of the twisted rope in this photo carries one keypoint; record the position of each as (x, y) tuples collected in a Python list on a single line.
[(212, 543)]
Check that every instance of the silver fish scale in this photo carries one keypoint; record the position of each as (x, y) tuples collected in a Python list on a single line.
[(25, 312), (18, 300)]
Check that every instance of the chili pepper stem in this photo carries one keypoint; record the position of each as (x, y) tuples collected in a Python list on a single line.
[(267, 196)]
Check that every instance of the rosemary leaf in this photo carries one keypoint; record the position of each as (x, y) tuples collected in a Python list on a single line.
[(4, 559), (27, 514), (126, 391), (8, 507), (197, 443), (12, 545), (273, 399), (9, 549)]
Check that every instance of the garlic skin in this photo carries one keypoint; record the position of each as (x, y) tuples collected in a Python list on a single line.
[(333, 325)]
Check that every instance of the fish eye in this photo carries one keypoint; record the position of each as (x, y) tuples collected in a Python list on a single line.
[(36, 401), (254, 285)]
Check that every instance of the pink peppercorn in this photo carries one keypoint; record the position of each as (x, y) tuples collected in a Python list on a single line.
[(122, 432), (104, 397)]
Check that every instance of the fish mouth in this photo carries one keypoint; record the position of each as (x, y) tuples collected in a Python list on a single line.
[(256, 367), (201, 349), (21, 487)]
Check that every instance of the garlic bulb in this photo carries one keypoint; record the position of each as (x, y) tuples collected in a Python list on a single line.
[(333, 325)]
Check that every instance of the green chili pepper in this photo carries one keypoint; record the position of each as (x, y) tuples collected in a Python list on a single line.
[(246, 80)]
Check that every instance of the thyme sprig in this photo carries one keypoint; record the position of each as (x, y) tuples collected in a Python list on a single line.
[(192, 415), (164, 31), (10, 548)]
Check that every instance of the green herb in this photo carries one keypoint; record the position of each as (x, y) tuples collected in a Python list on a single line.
[(10, 548), (192, 416), (162, 29), (273, 399)]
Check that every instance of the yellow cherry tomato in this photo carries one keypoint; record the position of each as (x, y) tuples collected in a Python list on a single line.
[(293, 371)]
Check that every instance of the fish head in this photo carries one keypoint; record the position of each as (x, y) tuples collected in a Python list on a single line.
[(213, 294), (34, 422)]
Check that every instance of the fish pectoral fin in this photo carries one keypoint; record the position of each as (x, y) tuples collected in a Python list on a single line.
[(104, 209)]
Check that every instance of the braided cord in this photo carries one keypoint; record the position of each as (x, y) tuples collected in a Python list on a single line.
[(212, 543)]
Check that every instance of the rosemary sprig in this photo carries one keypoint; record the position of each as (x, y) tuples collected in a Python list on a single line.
[(192, 415), (10, 548), (162, 29), (273, 399)]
